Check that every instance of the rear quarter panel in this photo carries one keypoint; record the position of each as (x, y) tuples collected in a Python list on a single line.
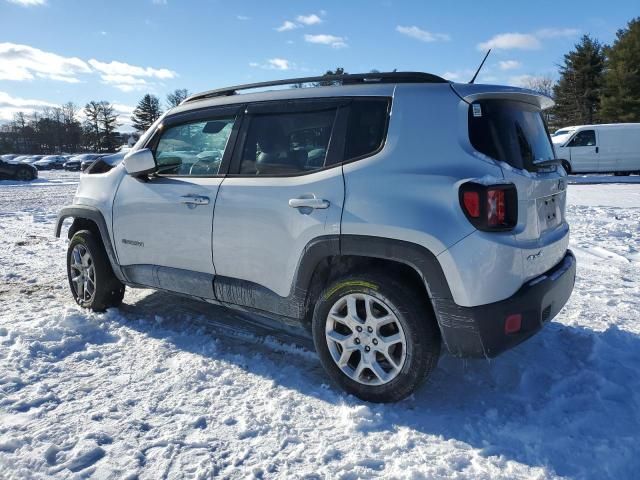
[(409, 190)]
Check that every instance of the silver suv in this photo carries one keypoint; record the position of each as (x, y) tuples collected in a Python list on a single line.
[(389, 213)]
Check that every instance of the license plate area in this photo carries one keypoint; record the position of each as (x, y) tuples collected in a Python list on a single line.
[(549, 212)]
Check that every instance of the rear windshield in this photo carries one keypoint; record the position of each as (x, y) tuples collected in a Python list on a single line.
[(511, 132)]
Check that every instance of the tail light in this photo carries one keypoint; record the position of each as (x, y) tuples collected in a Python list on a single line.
[(490, 207)]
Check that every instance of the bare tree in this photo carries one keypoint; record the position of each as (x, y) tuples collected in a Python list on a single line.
[(176, 97), (544, 85)]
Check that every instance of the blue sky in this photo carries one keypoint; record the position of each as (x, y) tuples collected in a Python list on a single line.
[(53, 51)]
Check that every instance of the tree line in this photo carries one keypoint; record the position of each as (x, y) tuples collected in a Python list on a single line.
[(597, 83), (70, 128)]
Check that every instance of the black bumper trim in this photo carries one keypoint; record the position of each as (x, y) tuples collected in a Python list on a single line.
[(479, 331)]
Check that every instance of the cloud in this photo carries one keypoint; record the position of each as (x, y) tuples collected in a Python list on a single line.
[(126, 77), (10, 105), (509, 64), (274, 64), (557, 32), (159, 2), (324, 39), (312, 19), (422, 35), (520, 80), (286, 26), (242, 18), (508, 41), (28, 3), (526, 41), (25, 63), (451, 75), (22, 62)]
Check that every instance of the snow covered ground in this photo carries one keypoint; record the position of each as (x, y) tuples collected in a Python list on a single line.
[(169, 388)]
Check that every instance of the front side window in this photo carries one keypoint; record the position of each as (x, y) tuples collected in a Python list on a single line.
[(509, 131), (585, 138), (194, 148), (287, 143)]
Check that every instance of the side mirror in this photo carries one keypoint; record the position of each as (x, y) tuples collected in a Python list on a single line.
[(140, 162)]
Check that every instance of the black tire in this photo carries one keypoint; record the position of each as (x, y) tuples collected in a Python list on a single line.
[(108, 291), (413, 313), (567, 166)]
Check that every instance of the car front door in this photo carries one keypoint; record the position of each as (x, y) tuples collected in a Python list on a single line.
[(162, 224), (285, 188), (584, 152)]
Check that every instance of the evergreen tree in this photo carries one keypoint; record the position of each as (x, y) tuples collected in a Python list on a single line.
[(147, 112), (577, 93), (108, 121), (176, 97), (621, 99), (92, 123)]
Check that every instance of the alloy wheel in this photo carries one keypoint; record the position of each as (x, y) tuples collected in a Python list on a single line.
[(83, 274), (366, 339)]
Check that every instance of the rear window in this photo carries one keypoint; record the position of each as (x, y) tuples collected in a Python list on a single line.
[(366, 127), (511, 132)]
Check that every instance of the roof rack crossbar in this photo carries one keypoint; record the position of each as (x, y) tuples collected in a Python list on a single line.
[(346, 79)]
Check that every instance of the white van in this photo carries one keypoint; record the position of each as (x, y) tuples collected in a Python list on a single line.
[(600, 148)]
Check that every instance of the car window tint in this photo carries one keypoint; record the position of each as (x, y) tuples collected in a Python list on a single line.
[(366, 127), (287, 143), (509, 131), (585, 138), (194, 148)]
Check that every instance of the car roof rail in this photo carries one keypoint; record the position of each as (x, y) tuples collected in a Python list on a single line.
[(345, 79)]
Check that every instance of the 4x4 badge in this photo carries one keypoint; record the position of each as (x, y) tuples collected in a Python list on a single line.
[(533, 256)]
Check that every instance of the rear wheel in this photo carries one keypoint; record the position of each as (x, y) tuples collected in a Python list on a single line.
[(91, 279), (376, 336)]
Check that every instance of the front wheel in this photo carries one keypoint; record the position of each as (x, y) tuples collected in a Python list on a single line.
[(91, 279), (376, 336)]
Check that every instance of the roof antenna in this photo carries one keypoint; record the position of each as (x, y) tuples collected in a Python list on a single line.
[(480, 67)]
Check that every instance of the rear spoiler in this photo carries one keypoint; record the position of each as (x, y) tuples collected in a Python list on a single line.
[(472, 92)]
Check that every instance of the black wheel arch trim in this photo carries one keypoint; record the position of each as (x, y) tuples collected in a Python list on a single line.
[(94, 215)]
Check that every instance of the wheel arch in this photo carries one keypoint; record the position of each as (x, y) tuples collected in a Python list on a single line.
[(90, 218), (413, 263)]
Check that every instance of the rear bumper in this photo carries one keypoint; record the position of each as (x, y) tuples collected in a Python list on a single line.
[(479, 331)]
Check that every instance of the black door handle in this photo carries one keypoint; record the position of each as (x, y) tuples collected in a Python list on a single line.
[(597, 148)]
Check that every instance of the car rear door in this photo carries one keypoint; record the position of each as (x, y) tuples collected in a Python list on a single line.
[(285, 189), (162, 225)]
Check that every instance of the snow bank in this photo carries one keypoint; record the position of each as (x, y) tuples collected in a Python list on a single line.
[(189, 391)]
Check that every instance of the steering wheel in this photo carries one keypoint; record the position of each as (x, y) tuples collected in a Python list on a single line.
[(206, 163)]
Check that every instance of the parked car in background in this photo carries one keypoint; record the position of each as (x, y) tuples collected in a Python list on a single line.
[(32, 158), (12, 170), (20, 158), (50, 162), (75, 162), (600, 148), (102, 164), (9, 156), (562, 135)]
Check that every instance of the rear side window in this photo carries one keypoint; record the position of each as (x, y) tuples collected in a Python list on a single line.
[(287, 143), (366, 127), (584, 138), (511, 132)]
